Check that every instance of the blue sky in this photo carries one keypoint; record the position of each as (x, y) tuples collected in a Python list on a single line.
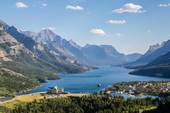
[(129, 25)]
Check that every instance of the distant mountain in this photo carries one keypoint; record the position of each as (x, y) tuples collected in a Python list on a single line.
[(133, 57), (161, 61), (92, 55), (102, 55), (154, 52), (160, 67)]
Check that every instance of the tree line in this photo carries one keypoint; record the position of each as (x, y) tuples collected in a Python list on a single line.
[(87, 104)]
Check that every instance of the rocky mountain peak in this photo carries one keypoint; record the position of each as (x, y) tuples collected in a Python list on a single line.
[(46, 34), (29, 33), (74, 44), (152, 48), (3, 25)]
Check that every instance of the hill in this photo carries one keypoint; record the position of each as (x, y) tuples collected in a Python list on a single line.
[(159, 67)]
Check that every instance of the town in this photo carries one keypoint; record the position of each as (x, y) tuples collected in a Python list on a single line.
[(150, 88)]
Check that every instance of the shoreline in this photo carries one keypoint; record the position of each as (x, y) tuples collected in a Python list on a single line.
[(130, 88), (46, 81), (140, 88)]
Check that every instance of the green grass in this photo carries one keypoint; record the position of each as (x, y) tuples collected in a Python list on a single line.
[(11, 82)]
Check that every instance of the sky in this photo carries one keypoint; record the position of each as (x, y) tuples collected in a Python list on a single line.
[(128, 25)]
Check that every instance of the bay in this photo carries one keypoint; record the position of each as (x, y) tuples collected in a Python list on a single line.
[(88, 82)]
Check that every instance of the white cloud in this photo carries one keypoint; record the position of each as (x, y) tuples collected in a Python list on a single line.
[(44, 5), (117, 21), (21, 5), (98, 32), (50, 28), (164, 5), (129, 8), (75, 8)]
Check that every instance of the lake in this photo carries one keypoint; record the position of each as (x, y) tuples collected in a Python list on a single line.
[(87, 82)]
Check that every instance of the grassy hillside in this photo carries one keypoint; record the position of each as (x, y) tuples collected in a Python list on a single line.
[(30, 71), (12, 82), (18, 76)]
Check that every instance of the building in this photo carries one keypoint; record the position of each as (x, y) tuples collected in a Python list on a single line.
[(55, 90)]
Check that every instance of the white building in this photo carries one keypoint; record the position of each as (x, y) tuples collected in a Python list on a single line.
[(55, 90)]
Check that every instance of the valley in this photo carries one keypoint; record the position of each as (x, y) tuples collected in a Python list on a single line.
[(39, 57), (31, 63), (84, 56), (25, 64), (87, 82)]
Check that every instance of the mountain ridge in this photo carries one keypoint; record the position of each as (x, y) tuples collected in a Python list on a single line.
[(160, 67), (21, 55), (79, 53), (153, 52)]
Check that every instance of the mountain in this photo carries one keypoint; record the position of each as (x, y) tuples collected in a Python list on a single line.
[(161, 61), (154, 52), (26, 41), (133, 57), (56, 44), (160, 67), (102, 55), (93, 55), (58, 49), (15, 56), (57, 59), (28, 62), (19, 68)]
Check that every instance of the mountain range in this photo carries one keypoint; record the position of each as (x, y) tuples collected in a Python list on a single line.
[(155, 62), (28, 62), (31, 57), (153, 52), (160, 67), (92, 55)]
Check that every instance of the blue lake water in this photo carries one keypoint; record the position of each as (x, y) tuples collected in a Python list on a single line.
[(87, 82)]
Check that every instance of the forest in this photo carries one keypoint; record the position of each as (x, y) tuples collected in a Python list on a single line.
[(88, 104)]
